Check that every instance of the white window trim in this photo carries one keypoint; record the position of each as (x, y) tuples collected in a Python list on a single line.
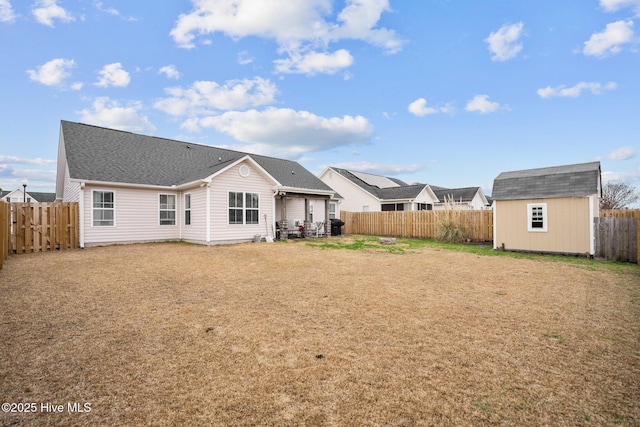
[(114, 208), (545, 218), (244, 207), (187, 209), (335, 208), (175, 210)]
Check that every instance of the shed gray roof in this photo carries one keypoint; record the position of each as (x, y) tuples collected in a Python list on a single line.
[(107, 155), (403, 191), (581, 179)]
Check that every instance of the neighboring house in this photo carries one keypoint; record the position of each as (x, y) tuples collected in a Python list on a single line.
[(18, 196), (137, 188), (460, 198), (547, 210), (365, 192)]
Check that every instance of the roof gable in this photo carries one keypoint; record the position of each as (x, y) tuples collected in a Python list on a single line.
[(581, 179), (107, 155), (465, 194)]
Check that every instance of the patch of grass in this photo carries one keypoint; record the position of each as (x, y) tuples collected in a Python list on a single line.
[(360, 242), (559, 338)]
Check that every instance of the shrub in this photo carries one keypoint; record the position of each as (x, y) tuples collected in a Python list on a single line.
[(451, 231)]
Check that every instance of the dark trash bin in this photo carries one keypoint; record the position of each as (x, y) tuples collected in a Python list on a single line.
[(336, 226)]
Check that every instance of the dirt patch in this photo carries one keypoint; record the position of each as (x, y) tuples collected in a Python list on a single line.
[(288, 334)]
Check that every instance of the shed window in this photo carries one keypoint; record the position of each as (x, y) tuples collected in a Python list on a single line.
[(537, 217)]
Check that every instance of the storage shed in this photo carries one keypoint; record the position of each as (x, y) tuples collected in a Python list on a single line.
[(549, 210)]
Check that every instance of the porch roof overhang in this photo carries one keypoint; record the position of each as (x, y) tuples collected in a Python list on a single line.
[(284, 191)]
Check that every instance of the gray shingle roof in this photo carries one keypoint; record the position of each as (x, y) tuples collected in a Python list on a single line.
[(403, 191), (559, 181), (100, 154), (42, 197), (465, 194)]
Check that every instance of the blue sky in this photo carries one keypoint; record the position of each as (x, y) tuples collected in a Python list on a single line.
[(445, 92)]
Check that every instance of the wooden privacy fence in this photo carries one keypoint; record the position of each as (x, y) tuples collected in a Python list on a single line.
[(618, 235), (5, 231), (35, 227), (418, 224)]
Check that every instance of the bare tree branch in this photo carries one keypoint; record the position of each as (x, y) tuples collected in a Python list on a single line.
[(618, 195)]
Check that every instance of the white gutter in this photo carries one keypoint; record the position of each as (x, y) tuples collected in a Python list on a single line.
[(129, 185), (304, 190)]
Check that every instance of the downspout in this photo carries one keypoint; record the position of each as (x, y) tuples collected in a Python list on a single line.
[(208, 221), (81, 216), (592, 235), (273, 214), (180, 202), (495, 229)]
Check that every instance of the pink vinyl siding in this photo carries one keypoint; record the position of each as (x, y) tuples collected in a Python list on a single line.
[(232, 180), (196, 231), (71, 190), (136, 217)]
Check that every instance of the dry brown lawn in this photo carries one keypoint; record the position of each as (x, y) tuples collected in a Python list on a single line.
[(288, 334)]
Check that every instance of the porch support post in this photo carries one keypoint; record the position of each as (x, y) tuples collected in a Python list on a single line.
[(283, 217), (327, 220), (307, 222)]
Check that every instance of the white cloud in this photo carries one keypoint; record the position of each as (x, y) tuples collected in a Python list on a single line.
[(45, 11), (419, 108), (615, 5), (575, 91), (113, 75), (108, 113), (244, 58), (170, 71), (52, 73), (315, 62), (22, 160), (6, 12), (608, 42), (482, 105), (504, 43), (299, 27), (379, 168), (204, 96), (286, 132), (112, 11), (622, 153), (358, 20)]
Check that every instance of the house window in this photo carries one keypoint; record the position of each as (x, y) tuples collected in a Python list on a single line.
[(235, 208), (244, 208), (103, 211), (393, 207), (365, 208), (537, 217), (332, 210), (167, 209), (187, 209), (311, 212), (252, 211)]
